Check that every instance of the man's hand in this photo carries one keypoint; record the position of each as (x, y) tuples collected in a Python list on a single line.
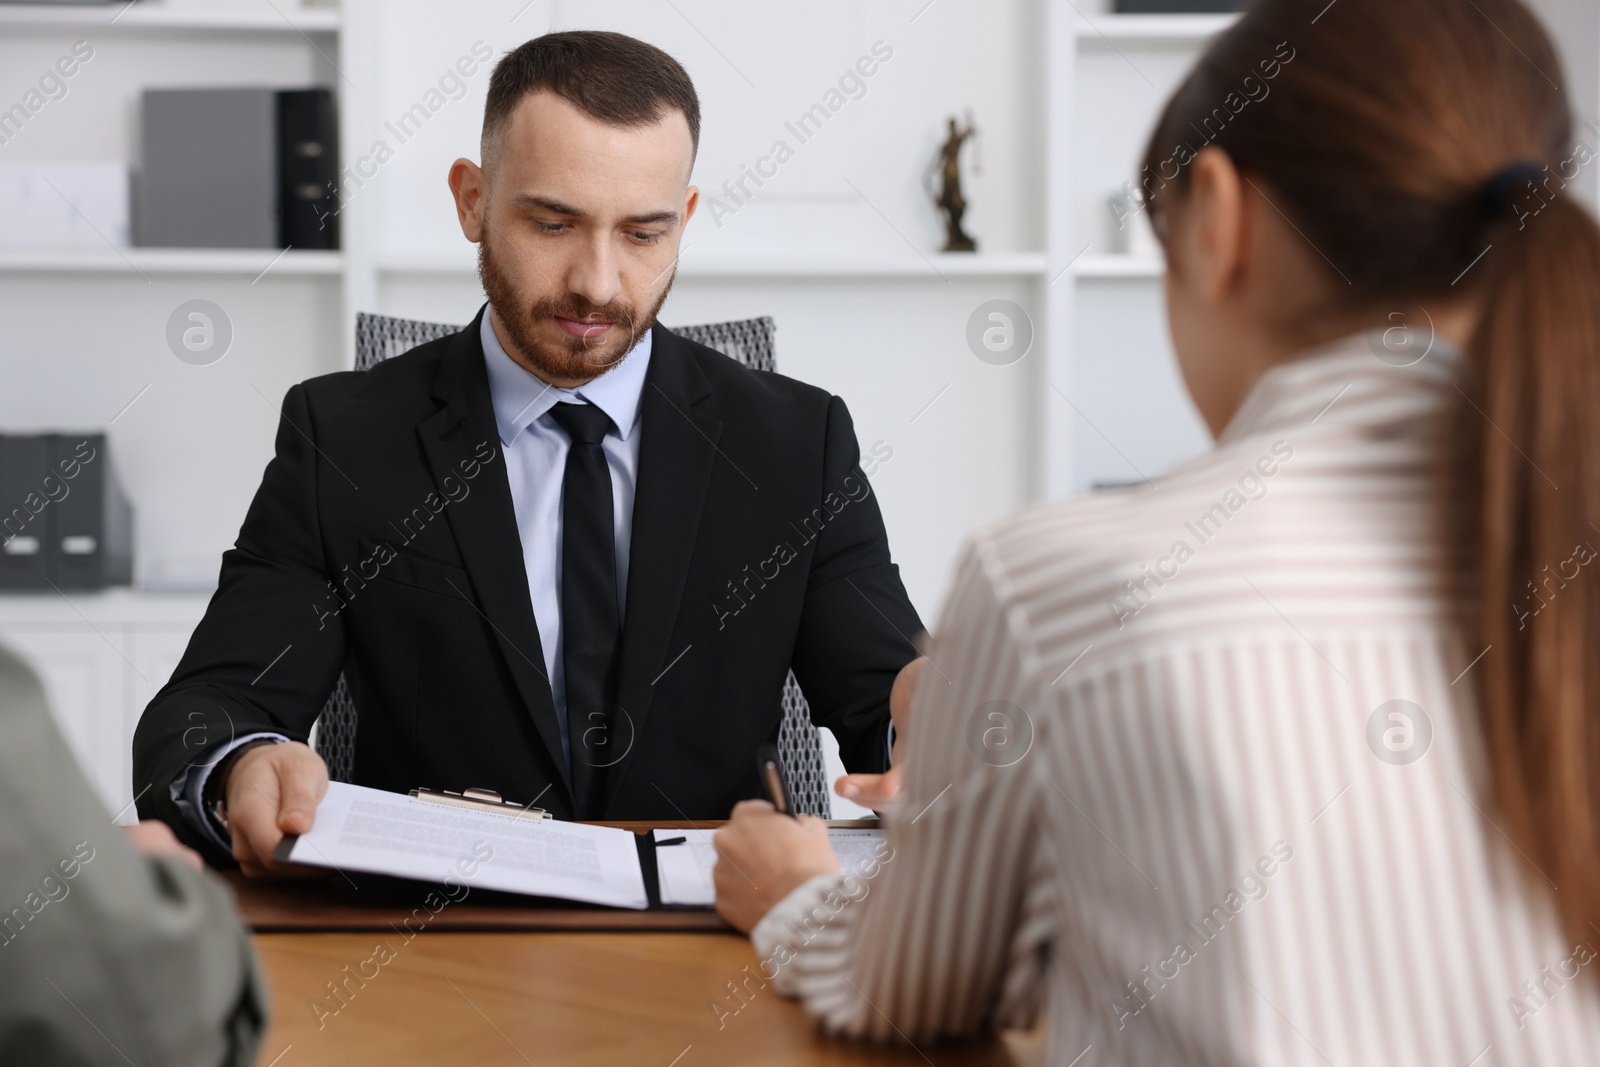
[(877, 790), (273, 790), (154, 838), (763, 856)]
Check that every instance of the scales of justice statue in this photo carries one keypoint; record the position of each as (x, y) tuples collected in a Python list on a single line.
[(952, 205)]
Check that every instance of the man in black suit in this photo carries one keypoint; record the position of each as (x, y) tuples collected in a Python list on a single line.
[(563, 554)]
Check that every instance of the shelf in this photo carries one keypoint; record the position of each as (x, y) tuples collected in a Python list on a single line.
[(73, 608), (1095, 267), (909, 265), (1166, 29), (282, 17), (894, 265), (93, 259)]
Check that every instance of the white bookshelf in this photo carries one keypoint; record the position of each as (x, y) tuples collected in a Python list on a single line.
[(87, 324), (932, 266), (1146, 29), (101, 609), (1115, 409), (1120, 398), (1118, 266), (91, 260), (146, 17)]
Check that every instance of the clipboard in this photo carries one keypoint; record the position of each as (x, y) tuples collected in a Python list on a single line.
[(644, 841), (375, 903), (480, 800)]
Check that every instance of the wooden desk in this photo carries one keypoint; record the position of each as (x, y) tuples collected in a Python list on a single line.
[(492, 999), (455, 994)]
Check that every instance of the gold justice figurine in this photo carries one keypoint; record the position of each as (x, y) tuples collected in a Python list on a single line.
[(952, 205)]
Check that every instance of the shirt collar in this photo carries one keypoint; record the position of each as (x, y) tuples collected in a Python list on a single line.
[(1355, 381), (520, 397)]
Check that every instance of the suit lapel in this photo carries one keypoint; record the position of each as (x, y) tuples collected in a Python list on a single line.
[(676, 454), (485, 526)]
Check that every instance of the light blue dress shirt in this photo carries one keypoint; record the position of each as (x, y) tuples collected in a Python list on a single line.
[(536, 463)]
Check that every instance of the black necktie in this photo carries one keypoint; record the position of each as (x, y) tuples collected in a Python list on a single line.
[(590, 629)]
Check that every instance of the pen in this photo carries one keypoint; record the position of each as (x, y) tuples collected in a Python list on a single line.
[(772, 777)]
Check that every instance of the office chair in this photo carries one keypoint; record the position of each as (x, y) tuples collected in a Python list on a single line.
[(749, 341)]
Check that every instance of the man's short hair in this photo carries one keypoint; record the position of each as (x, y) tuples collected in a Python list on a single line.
[(612, 77)]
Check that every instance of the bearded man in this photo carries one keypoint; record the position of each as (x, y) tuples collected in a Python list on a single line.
[(563, 554)]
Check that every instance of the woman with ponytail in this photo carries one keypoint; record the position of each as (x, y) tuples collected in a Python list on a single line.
[(1293, 756)]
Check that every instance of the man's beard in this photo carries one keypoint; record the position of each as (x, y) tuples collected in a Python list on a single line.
[(571, 358)]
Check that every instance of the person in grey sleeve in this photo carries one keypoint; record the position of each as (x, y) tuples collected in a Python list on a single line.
[(115, 947)]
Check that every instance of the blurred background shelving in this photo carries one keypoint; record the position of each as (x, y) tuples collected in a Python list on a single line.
[(1130, 29), (155, 17), (257, 263), (931, 265)]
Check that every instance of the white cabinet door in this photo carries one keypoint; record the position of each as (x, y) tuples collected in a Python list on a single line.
[(86, 677)]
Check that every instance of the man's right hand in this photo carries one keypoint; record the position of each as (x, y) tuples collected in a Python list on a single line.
[(271, 791)]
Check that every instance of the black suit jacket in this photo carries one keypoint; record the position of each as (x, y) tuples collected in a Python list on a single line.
[(383, 543)]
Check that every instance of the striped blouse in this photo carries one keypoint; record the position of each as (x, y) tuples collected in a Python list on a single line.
[(1196, 775)]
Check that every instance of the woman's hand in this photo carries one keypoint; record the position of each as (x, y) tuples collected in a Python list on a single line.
[(763, 856), (155, 838)]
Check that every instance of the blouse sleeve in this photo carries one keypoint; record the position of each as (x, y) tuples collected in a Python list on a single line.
[(948, 932)]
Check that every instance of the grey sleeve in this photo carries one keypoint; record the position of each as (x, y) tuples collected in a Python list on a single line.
[(107, 956)]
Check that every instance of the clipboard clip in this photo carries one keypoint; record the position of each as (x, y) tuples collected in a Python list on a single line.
[(480, 800)]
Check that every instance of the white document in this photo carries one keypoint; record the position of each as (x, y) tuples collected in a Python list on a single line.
[(858, 849), (684, 870), (360, 829)]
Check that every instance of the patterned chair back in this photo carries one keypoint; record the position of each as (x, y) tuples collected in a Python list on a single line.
[(750, 341)]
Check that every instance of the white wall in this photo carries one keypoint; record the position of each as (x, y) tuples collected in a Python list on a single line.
[(756, 68), (1575, 25)]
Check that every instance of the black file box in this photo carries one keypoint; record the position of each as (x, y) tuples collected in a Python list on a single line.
[(64, 521)]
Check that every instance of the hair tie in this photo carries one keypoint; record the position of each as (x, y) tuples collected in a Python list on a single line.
[(1497, 193)]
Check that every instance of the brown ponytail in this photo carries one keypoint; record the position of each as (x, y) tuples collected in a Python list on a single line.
[(1529, 538), (1424, 148)]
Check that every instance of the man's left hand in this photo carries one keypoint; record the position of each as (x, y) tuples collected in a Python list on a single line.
[(876, 791), (763, 856)]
